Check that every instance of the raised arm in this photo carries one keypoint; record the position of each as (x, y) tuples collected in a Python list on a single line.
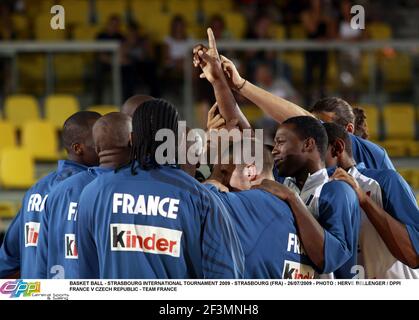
[(276, 107), (210, 63)]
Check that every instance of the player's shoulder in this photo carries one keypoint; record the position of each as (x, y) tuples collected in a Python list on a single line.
[(368, 144), (382, 175), (44, 184), (336, 190)]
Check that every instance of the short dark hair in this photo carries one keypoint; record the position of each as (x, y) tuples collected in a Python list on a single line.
[(343, 111), (308, 127), (153, 115), (335, 132), (361, 127), (78, 127)]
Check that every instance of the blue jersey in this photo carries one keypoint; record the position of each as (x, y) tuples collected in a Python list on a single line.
[(398, 200), (372, 155), (57, 252), (266, 228), (335, 206), (20, 243), (159, 223)]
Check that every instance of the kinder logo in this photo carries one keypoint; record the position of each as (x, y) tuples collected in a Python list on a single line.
[(31, 234), (130, 237), (295, 270), (70, 246), (19, 287)]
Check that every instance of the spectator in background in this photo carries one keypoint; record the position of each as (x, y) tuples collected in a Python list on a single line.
[(104, 60), (320, 25), (218, 26), (266, 79), (349, 60), (7, 33), (260, 30), (175, 51), (138, 63)]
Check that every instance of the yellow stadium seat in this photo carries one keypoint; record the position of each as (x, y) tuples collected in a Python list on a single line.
[(373, 119), (278, 32), (44, 32), (85, 32), (297, 32), (7, 135), (296, 61), (396, 148), (399, 121), (211, 7), (415, 179), (236, 24), (414, 149), (20, 24), (158, 31), (40, 139), (144, 10), (407, 174), (77, 11), (186, 8), (107, 8), (252, 113), (59, 107), (21, 108), (17, 168), (379, 31), (397, 71), (7, 209), (69, 72), (103, 109)]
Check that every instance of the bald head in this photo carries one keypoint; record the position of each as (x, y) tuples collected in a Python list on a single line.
[(133, 103), (112, 131)]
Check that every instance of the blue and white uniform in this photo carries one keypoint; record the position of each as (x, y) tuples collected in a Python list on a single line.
[(159, 223), (335, 206), (20, 243)]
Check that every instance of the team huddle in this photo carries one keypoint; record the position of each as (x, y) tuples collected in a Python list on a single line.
[(325, 203)]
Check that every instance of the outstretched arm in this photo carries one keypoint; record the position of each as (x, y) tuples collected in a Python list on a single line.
[(393, 232), (276, 107), (309, 230), (210, 63)]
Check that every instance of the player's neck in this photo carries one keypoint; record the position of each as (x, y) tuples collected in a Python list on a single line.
[(346, 162), (114, 158), (311, 167)]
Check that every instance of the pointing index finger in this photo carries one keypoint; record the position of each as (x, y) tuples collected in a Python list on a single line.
[(211, 39)]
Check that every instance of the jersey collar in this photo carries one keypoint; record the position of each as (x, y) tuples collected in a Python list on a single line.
[(313, 181)]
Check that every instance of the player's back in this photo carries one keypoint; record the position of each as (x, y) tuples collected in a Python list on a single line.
[(22, 237), (392, 193), (267, 231), (158, 223), (372, 155), (57, 242)]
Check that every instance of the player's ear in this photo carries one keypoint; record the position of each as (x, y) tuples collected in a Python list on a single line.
[(309, 145), (77, 148), (339, 146), (350, 128), (251, 172)]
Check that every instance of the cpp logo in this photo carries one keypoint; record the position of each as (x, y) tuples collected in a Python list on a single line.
[(20, 287)]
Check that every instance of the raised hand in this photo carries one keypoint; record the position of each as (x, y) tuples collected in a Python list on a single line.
[(235, 81), (277, 189), (208, 59), (214, 120), (342, 175)]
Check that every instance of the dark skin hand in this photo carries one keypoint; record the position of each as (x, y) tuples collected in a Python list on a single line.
[(209, 61), (393, 232), (310, 231)]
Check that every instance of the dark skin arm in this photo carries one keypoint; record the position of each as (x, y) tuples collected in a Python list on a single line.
[(309, 230), (392, 231), (210, 63)]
